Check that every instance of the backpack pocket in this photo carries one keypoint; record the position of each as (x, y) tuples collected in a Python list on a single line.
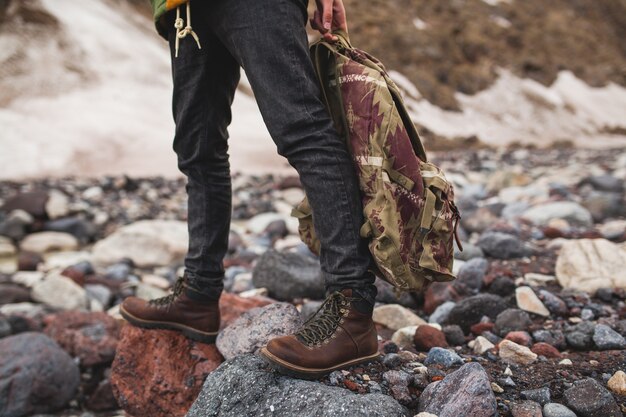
[(437, 225), (304, 214)]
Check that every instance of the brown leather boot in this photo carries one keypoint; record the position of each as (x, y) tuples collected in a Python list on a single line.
[(197, 320), (337, 336)]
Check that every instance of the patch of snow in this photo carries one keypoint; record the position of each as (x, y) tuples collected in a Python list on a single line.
[(119, 121), (501, 21), (522, 110), (419, 24), (497, 2), (404, 84)]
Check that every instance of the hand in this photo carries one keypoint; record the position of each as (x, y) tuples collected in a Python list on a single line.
[(329, 16)]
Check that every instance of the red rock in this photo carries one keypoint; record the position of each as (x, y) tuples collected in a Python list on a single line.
[(91, 337), (519, 337), (479, 328), (553, 232), (28, 261), (232, 306), (32, 202), (159, 373), (427, 337), (351, 385), (437, 294), (13, 293), (546, 350), (75, 275), (102, 399)]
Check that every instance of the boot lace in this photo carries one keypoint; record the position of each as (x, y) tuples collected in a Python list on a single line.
[(323, 324), (177, 290)]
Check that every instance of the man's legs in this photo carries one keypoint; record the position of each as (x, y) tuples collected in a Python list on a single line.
[(205, 81), (268, 39)]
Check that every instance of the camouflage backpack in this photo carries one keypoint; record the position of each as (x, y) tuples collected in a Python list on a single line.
[(410, 216)]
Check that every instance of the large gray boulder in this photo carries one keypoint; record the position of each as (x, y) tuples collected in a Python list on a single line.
[(36, 375), (254, 328), (246, 386), (464, 392), (288, 275)]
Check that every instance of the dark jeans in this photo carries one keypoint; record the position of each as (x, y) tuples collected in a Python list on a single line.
[(268, 39)]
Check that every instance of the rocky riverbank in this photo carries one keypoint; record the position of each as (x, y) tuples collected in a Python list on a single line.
[(534, 325)]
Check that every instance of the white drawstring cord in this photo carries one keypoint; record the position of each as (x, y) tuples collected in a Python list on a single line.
[(183, 32)]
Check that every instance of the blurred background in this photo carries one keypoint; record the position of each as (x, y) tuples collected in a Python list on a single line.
[(85, 88)]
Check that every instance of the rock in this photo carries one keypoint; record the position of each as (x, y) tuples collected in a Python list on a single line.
[(440, 315), (398, 382), (527, 300), (427, 337), (438, 293), (557, 410), (533, 278), (259, 223), (539, 395), (464, 392), (164, 376), (454, 335), (268, 393), (28, 261), (502, 286), (256, 327), (16, 224), (394, 317), (6, 247), (404, 337), (392, 360), (590, 264), (147, 243), (502, 245), (443, 357), (604, 182), (553, 303), (470, 251), (425, 414), (36, 375), (613, 229), (544, 349), (77, 227), (519, 337), (11, 293), (587, 398), (572, 212), (233, 306), (43, 242), (33, 203), (470, 277), (526, 409), (387, 295), (100, 293), (510, 320), (102, 398), (513, 353), (481, 345), (57, 205), (603, 205), (288, 275), (90, 337), (471, 309), (60, 292), (606, 338), (617, 383)]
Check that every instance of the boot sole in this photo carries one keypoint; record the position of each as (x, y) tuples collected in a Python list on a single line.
[(189, 332), (301, 372)]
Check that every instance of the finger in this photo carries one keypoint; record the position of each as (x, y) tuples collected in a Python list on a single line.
[(327, 17), (316, 22)]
